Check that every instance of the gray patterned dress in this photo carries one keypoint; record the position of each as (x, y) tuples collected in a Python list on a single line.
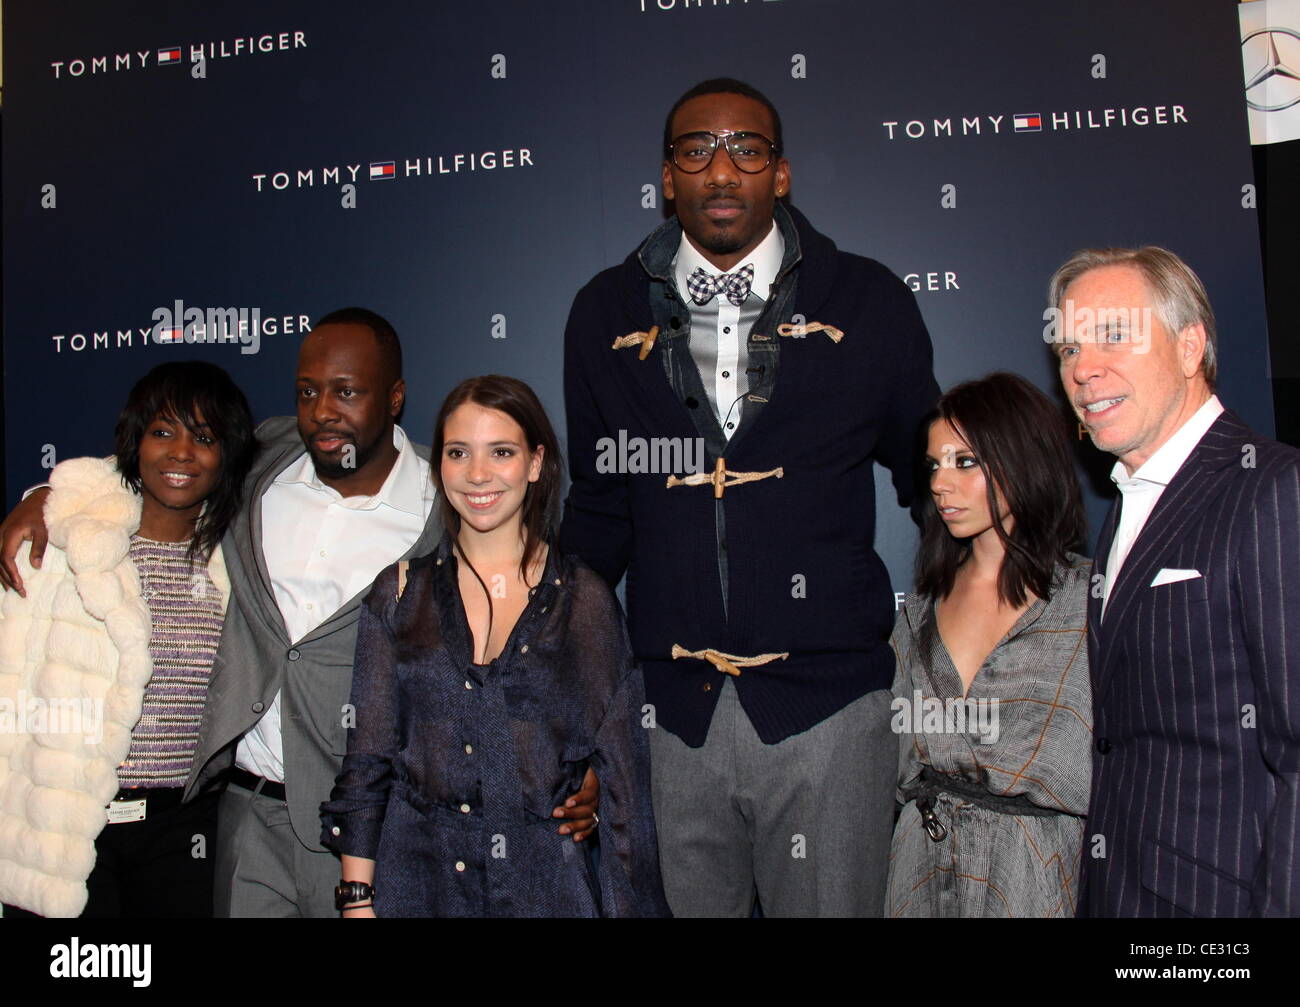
[(1026, 739)]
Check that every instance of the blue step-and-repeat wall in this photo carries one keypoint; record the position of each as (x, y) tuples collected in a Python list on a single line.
[(464, 166)]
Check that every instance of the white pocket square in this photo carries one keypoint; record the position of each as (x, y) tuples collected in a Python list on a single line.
[(1171, 576)]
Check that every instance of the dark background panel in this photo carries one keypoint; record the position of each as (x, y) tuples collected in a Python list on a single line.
[(158, 197)]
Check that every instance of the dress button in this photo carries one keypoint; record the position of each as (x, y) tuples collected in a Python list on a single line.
[(708, 686), (469, 749), (523, 649), (1103, 746), (336, 831), (464, 809), (259, 707), (294, 654), (460, 865), (467, 684)]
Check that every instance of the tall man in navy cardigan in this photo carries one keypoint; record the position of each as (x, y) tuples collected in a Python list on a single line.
[(758, 608), (1194, 621)]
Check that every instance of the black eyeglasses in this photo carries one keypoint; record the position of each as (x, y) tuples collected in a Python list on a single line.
[(750, 152)]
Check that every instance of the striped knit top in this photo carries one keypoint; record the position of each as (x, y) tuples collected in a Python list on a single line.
[(186, 615)]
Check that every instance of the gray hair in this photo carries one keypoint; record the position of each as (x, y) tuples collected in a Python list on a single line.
[(1180, 297)]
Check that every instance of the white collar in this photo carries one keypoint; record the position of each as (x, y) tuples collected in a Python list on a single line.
[(1164, 464), (403, 490), (765, 258)]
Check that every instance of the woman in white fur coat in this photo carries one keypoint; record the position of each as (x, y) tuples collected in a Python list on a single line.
[(104, 661)]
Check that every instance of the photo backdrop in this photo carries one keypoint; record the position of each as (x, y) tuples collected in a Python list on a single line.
[(463, 167)]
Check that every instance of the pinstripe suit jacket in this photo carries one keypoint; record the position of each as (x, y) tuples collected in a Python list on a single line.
[(1196, 694)]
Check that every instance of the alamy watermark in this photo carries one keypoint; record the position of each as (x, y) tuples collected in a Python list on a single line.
[(27, 714), (955, 715), (1071, 323), (177, 323), (649, 455)]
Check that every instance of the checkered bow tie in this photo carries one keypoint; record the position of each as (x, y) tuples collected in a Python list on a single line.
[(704, 287)]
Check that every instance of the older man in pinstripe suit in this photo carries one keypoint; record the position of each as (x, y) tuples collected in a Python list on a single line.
[(1195, 806)]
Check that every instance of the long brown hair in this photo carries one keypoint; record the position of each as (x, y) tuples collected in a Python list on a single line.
[(541, 509), (1021, 441)]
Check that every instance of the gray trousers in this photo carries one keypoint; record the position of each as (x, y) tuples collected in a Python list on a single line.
[(262, 868), (803, 825)]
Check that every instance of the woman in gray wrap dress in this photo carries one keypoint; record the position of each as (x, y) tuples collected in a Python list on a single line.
[(992, 700)]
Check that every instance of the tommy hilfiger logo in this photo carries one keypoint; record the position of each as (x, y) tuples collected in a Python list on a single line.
[(174, 54), (1035, 122), (379, 171)]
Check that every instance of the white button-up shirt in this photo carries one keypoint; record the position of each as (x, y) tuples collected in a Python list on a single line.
[(321, 550), (1141, 490), (766, 260)]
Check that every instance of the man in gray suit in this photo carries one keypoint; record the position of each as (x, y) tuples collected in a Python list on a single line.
[(1194, 617), (334, 498)]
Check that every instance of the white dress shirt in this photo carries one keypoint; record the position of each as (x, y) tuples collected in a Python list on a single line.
[(1141, 491), (321, 550), (766, 260)]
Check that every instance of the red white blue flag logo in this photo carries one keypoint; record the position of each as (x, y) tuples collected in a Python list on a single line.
[(169, 55), (382, 169), (1030, 122)]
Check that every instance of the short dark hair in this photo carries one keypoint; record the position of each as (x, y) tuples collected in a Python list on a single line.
[(390, 347), (1021, 441), (725, 85), (181, 390), (518, 401)]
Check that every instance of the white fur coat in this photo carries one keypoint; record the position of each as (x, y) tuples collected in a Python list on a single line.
[(76, 647)]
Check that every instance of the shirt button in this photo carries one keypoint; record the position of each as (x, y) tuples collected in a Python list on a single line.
[(523, 649), (460, 865), (726, 374), (309, 606), (557, 581), (322, 552), (464, 809), (731, 426), (294, 654), (467, 684), (708, 686), (438, 562), (336, 831), (469, 749), (727, 330)]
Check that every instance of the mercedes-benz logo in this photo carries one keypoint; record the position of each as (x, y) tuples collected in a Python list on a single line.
[(1280, 71)]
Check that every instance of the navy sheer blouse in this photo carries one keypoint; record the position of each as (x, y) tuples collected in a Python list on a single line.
[(453, 768)]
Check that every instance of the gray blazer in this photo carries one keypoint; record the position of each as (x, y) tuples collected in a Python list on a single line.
[(256, 657)]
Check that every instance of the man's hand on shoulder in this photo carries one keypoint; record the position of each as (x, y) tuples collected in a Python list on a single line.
[(25, 523)]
